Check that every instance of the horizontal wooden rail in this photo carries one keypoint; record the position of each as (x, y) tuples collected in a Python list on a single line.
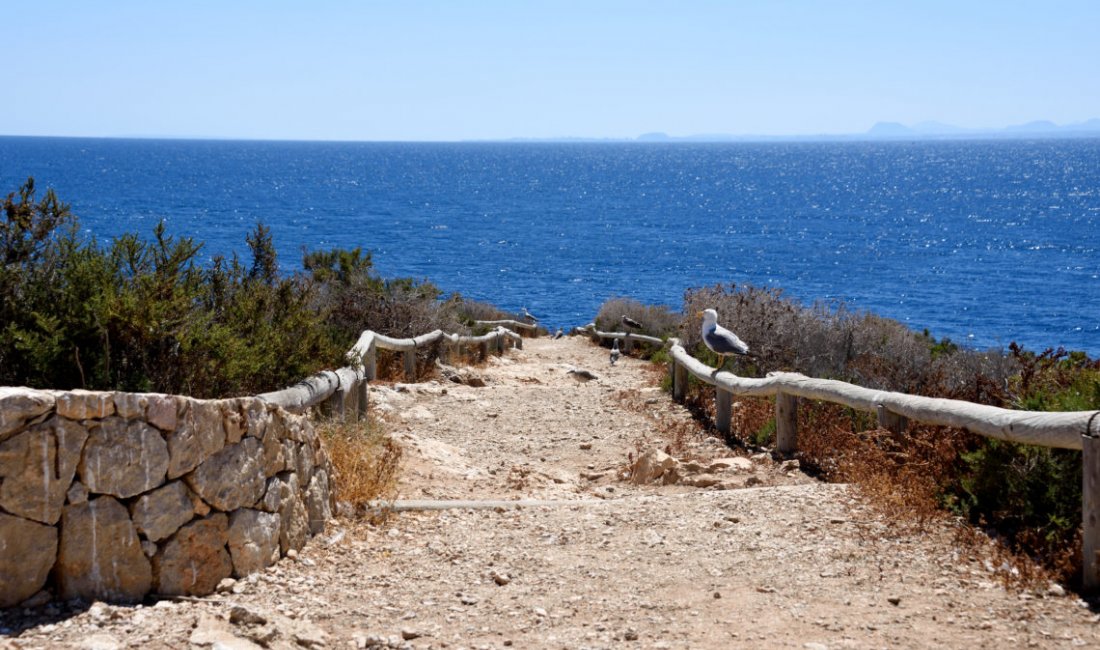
[(509, 323), (1066, 430), (590, 330), (346, 389)]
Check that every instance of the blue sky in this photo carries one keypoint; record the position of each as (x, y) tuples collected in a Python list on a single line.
[(454, 70)]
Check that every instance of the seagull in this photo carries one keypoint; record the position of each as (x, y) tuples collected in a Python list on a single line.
[(720, 340), (558, 334), (581, 374), (630, 322), (615, 354), (529, 316)]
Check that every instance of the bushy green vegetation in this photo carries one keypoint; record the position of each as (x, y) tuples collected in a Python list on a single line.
[(145, 315), (1030, 496)]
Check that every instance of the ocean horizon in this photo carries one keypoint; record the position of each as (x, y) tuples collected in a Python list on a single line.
[(985, 242)]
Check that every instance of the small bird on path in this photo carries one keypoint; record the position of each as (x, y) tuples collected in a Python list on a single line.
[(615, 354)]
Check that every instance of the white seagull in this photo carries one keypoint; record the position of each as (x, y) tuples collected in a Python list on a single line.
[(720, 340), (615, 351)]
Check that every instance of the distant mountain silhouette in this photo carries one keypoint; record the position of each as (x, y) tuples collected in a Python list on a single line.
[(1090, 128)]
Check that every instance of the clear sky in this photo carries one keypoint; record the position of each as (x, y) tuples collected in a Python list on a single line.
[(454, 70)]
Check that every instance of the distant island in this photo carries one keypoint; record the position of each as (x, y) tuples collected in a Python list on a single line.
[(880, 131)]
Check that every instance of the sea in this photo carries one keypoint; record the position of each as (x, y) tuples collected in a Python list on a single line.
[(984, 242)]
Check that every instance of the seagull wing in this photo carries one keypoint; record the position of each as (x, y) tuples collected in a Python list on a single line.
[(723, 341)]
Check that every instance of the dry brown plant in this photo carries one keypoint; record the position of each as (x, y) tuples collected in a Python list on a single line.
[(366, 461)]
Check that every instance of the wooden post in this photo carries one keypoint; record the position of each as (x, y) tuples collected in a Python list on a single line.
[(786, 423), (498, 345), (723, 402), (370, 364), (362, 393), (1090, 512), (410, 366), (679, 381), (891, 421), (518, 343), (628, 344), (483, 351)]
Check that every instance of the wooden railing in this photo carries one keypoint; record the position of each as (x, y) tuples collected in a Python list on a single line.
[(1066, 430), (344, 391), (628, 338), (511, 324)]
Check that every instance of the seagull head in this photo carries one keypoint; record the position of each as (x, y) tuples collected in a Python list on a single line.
[(710, 318)]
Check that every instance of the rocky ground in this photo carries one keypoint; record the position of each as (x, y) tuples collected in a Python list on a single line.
[(721, 549)]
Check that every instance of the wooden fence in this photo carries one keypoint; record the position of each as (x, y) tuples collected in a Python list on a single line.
[(1066, 430), (343, 392)]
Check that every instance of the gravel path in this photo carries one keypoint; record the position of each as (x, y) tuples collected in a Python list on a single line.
[(774, 560)]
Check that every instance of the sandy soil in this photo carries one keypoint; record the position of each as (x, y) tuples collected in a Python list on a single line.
[(774, 560)]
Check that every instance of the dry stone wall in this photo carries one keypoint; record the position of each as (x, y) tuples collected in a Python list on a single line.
[(112, 496)]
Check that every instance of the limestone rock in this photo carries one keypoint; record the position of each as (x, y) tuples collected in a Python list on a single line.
[(194, 560), (17, 405), (199, 434), (651, 466), (161, 512), (162, 412), (123, 458), (78, 493), (273, 495), (27, 553), (85, 404), (317, 502), (700, 480), (257, 417), (233, 420), (274, 460), (131, 406), (100, 557), (304, 458), (734, 464), (253, 540), (37, 467), (231, 478), (294, 524)]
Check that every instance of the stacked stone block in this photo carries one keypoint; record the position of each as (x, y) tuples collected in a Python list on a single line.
[(112, 496)]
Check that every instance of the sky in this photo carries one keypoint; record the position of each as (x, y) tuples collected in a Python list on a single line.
[(443, 70)]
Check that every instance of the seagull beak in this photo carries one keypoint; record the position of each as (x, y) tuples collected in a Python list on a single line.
[(699, 314)]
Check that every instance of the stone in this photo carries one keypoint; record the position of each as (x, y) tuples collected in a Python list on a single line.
[(700, 480), (100, 557), (131, 406), (290, 456), (294, 524), (652, 466), (256, 416), (214, 633), (233, 421), (100, 642), (37, 467), (271, 499), (37, 600), (27, 553), (161, 512), (274, 457), (231, 478), (734, 464), (317, 502), (18, 405), (253, 539), (200, 506), (194, 560), (305, 465), (78, 493), (85, 404), (148, 548), (123, 458), (199, 434), (162, 412)]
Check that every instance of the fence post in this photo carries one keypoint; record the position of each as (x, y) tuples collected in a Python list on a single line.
[(498, 345), (370, 363), (628, 344), (362, 393), (410, 366), (483, 351), (518, 342), (723, 402), (679, 380), (891, 421), (1090, 512), (786, 423)]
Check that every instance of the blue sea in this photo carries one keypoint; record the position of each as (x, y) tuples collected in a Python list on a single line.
[(985, 242)]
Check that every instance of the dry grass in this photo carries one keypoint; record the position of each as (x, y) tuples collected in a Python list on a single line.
[(365, 459)]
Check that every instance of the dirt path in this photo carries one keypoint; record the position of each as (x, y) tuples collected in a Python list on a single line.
[(773, 560)]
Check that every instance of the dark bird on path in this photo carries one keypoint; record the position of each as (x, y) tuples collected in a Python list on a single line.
[(630, 322), (615, 354), (720, 340), (582, 375), (558, 334)]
